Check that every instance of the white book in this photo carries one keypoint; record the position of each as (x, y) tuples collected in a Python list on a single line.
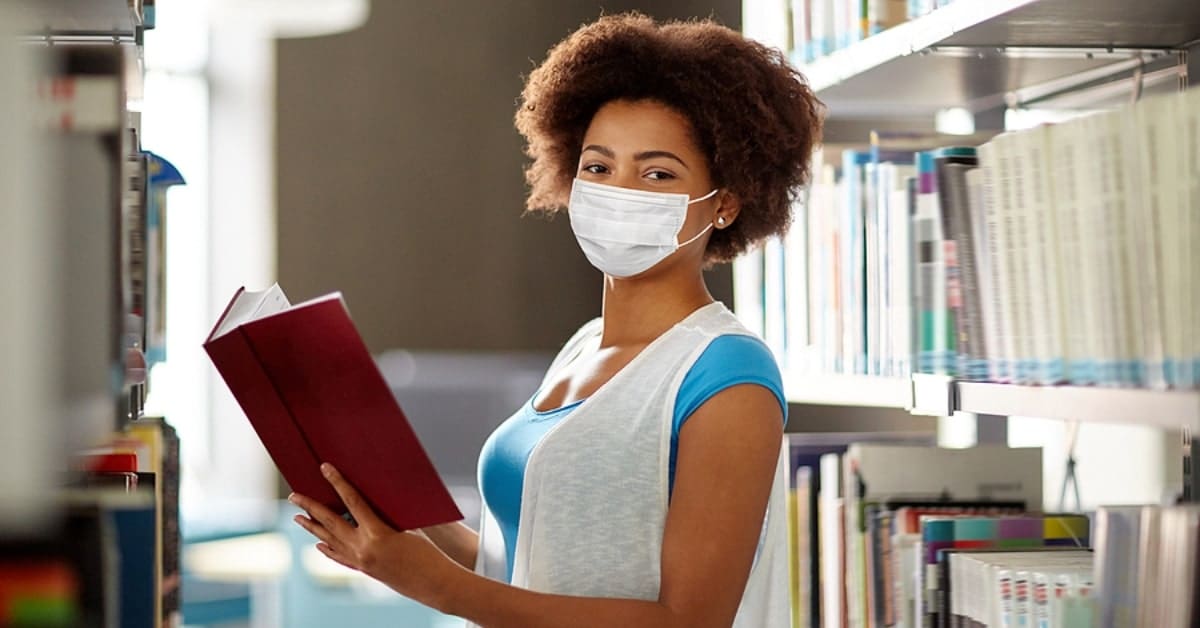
[(902, 277), (773, 295), (1116, 160), (852, 243), (996, 304), (1117, 531), (1190, 142), (748, 290), (801, 31), (1094, 310), (1117, 366), (1189, 155), (1161, 119), (1068, 148), (832, 543), (796, 304), (1149, 545), (1043, 267), (1008, 195), (873, 301), (820, 26)]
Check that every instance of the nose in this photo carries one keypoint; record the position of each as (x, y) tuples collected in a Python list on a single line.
[(626, 176)]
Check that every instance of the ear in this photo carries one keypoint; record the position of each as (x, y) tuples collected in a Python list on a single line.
[(727, 210)]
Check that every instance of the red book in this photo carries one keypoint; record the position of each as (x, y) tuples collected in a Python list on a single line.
[(313, 393)]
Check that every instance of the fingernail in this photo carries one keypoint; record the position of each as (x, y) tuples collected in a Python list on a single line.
[(326, 469), (292, 498), (297, 520)]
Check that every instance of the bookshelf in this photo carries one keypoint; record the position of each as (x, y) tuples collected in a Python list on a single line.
[(932, 394), (116, 19), (984, 54)]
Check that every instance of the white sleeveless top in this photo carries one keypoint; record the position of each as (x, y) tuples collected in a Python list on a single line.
[(594, 503)]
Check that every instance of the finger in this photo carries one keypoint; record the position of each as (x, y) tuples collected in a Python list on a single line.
[(331, 521), (335, 556), (316, 529), (359, 509)]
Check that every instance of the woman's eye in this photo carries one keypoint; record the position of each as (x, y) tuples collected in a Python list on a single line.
[(595, 169), (659, 175)]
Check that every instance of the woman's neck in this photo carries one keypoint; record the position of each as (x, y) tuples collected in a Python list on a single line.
[(638, 311)]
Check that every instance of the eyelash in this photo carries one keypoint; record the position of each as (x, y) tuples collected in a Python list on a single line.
[(601, 169)]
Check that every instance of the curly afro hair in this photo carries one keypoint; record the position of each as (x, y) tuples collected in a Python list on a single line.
[(751, 113)]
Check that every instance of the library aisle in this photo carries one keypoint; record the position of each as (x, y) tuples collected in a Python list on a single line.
[(986, 311)]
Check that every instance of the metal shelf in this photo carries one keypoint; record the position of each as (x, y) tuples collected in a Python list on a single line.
[(848, 390), (117, 19), (1164, 409), (974, 53), (940, 395)]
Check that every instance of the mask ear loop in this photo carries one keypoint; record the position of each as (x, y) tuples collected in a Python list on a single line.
[(695, 237), (704, 230), (705, 197)]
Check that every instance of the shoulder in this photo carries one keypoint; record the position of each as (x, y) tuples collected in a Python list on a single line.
[(727, 361)]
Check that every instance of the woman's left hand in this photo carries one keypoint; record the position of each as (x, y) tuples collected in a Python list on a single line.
[(405, 561)]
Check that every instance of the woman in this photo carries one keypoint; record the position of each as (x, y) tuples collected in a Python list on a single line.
[(642, 485)]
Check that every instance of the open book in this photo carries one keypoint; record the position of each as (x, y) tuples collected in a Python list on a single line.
[(313, 393)]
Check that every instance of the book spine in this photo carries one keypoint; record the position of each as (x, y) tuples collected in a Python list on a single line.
[(802, 43), (960, 283), (996, 219), (1191, 147), (930, 283), (796, 323), (978, 279), (872, 264), (1068, 155), (1043, 267)]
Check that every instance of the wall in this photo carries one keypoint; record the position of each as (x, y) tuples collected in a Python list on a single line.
[(400, 182)]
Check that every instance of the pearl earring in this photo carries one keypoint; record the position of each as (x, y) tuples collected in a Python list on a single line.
[(720, 221)]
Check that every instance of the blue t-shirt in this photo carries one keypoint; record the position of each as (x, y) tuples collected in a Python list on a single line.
[(728, 361)]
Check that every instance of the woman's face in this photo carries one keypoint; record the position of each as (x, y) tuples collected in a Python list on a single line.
[(645, 145)]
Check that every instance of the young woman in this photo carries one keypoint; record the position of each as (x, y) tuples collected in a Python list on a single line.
[(642, 485)]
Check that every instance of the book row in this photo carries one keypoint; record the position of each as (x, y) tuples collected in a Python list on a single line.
[(908, 535), (819, 27), (1065, 253)]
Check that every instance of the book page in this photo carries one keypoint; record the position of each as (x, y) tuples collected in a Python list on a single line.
[(248, 306)]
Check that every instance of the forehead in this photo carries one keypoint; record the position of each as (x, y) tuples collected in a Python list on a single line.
[(625, 125)]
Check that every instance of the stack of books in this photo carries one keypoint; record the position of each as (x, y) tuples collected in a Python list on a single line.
[(1064, 254)]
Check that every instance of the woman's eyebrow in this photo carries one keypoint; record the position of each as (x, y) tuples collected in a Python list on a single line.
[(603, 150), (651, 154), (642, 156)]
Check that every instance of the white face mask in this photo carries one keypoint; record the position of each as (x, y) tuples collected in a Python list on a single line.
[(625, 232)]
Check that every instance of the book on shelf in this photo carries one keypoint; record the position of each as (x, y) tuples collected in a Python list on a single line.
[(313, 394), (820, 27), (1048, 587), (868, 550), (1146, 560), (1061, 254), (816, 502), (877, 473)]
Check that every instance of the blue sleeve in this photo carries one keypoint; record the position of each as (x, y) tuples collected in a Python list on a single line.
[(728, 361)]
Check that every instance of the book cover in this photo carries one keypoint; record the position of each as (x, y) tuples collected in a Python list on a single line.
[(313, 394)]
